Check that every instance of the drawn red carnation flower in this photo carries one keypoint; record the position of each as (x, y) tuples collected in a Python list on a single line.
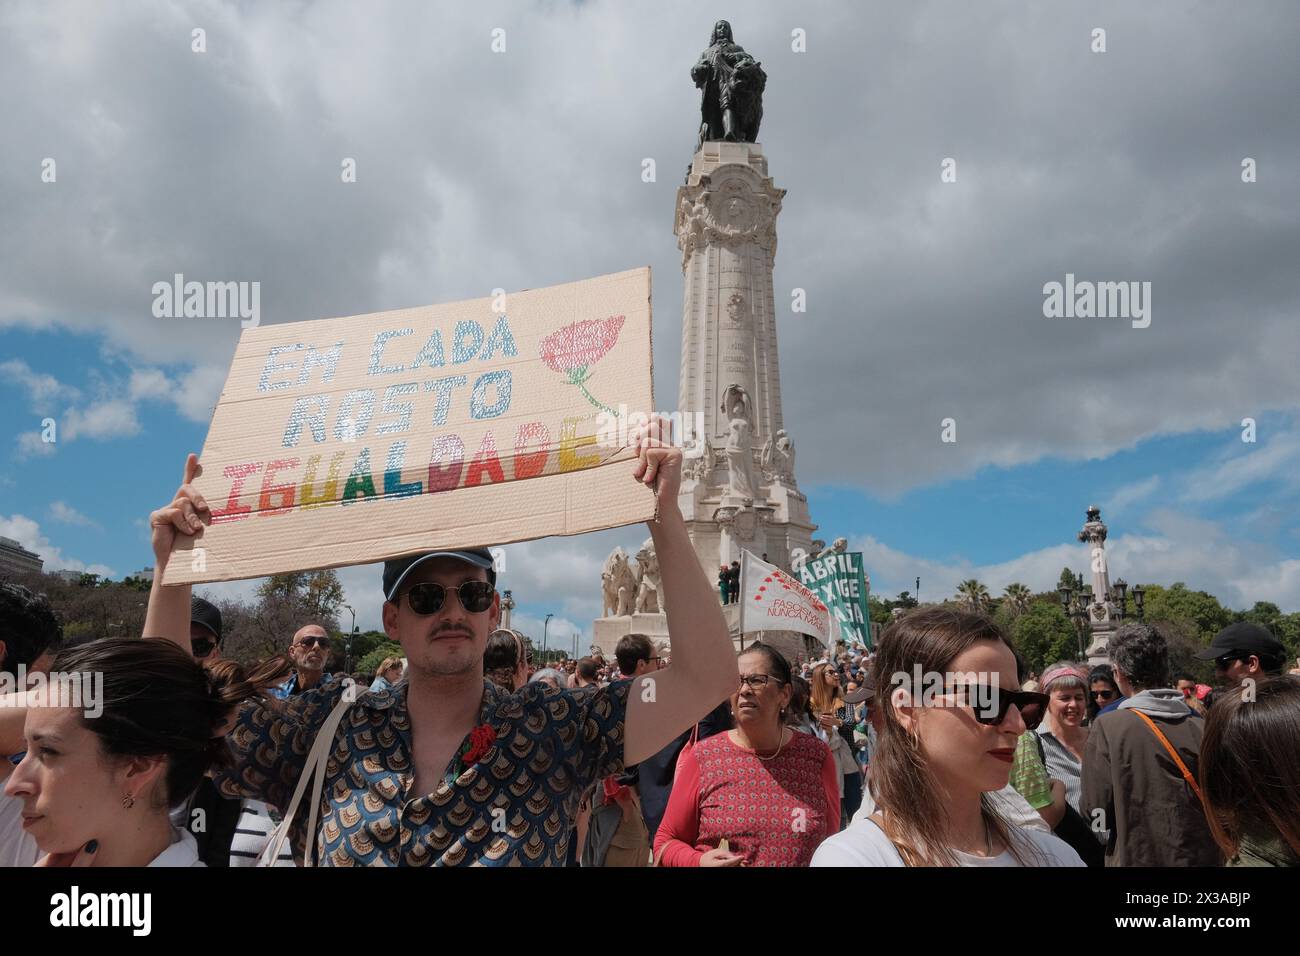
[(572, 351)]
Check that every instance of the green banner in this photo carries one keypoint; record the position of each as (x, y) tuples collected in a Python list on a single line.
[(840, 580)]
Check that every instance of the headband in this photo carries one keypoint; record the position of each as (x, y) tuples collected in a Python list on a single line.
[(1065, 670)]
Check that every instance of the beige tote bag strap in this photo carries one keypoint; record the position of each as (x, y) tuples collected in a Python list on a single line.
[(317, 758)]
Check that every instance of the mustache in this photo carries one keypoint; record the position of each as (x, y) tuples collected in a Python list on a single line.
[(452, 629)]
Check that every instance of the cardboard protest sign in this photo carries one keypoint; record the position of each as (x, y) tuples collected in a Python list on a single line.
[(353, 440), (841, 582), (771, 600)]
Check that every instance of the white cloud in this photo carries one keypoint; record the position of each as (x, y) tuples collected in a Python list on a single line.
[(100, 420), (1130, 494), (43, 391), (1274, 458), (65, 513), (926, 304), (114, 411), (28, 533)]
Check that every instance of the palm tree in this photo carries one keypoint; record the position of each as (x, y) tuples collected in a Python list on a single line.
[(972, 595), (1017, 597)]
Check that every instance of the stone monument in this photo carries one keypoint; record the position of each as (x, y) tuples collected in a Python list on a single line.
[(1103, 613), (738, 484)]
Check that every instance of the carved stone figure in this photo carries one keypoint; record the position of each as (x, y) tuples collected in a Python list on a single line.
[(650, 590), (740, 480), (697, 466), (731, 84), (618, 584), (838, 546), (783, 455)]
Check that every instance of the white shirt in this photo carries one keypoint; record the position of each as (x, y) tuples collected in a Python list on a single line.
[(865, 844), (1007, 802), (182, 852), (17, 848)]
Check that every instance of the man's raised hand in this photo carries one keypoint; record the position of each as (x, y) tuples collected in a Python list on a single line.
[(187, 514), (659, 462)]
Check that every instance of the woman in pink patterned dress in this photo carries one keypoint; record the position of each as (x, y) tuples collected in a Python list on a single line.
[(771, 792)]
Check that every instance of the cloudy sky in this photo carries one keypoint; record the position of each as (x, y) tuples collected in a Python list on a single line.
[(518, 169)]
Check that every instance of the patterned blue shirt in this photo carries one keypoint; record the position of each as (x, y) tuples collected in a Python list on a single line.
[(516, 806)]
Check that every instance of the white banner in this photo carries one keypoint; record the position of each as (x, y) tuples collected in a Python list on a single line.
[(772, 600)]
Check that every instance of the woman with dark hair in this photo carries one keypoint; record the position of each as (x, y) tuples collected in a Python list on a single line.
[(945, 744), (505, 661), (762, 794), (1103, 693), (143, 723), (1250, 774)]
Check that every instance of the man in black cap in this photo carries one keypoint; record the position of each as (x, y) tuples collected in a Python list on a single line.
[(445, 768), (1244, 651), (205, 631)]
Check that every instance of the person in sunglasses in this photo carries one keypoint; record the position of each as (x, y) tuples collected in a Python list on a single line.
[(1244, 651), (309, 650), (941, 756), (1141, 762), (445, 768), (205, 631), (1103, 694)]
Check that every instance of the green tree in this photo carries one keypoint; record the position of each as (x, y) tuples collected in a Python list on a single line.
[(1017, 597), (1044, 635), (972, 595), (1194, 614), (371, 661), (1067, 579)]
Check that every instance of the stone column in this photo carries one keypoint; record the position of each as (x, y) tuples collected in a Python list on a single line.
[(726, 229), (1103, 615)]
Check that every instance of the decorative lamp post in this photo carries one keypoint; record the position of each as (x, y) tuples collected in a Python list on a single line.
[(1139, 593)]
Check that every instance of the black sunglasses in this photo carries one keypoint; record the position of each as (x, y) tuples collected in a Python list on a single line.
[(1224, 662), (201, 646), (427, 597), (990, 704), (1103, 694), (309, 641)]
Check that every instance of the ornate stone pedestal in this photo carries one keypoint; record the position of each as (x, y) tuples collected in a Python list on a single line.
[(608, 631)]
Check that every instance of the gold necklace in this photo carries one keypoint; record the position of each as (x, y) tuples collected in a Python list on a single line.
[(754, 750)]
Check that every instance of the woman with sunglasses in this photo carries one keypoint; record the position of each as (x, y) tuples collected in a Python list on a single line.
[(763, 794), (944, 747), (1104, 695), (835, 728)]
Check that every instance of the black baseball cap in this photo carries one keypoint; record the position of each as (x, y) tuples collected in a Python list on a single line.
[(205, 614), (1243, 638), (396, 570)]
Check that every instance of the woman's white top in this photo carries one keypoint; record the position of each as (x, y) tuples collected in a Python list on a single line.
[(183, 851), (865, 844)]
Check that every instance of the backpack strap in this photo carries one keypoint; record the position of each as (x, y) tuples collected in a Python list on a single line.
[(313, 768), (1187, 774)]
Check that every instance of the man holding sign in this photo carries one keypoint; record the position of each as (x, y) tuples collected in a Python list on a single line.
[(444, 769)]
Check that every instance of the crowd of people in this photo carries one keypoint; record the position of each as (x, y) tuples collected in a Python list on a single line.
[(936, 748)]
